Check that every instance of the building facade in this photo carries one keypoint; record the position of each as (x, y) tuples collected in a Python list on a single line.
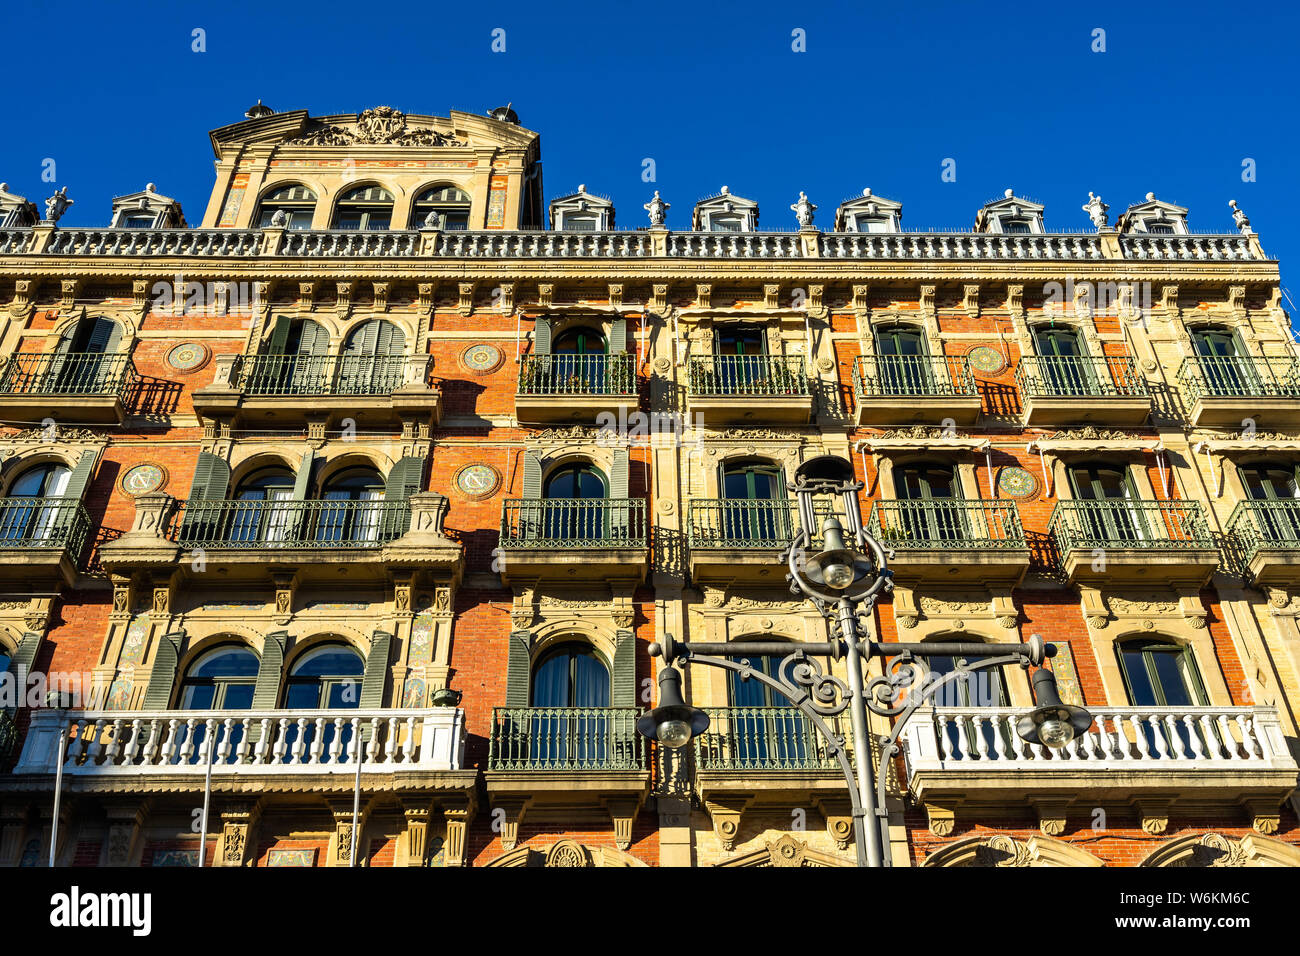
[(384, 459)]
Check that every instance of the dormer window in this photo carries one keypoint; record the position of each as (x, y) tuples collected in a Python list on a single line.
[(1015, 225), (864, 223), (869, 213), (582, 212), (366, 208), (579, 222), (725, 213), (1160, 228), (298, 203), (725, 224), (147, 209), (1154, 217), (1010, 215), (449, 205)]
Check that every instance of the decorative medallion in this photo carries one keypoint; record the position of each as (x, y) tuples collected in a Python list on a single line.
[(1017, 483), (482, 358), (142, 479), (305, 857), (986, 359), (188, 356), (478, 481)]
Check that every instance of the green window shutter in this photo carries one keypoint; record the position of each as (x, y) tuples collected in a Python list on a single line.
[(163, 675), (518, 665), (532, 475), (270, 672), (80, 476), (23, 657), (211, 477), (618, 474), (405, 479), (391, 339), (302, 480), (276, 343), (618, 336), (105, 335), (624, 669), (314, 340), (376, 673), (542, 337)]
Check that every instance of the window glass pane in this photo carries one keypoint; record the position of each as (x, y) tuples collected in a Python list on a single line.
[(1170, 674), (238, 697), (198, 697), (302, 696), (1140, 687), (344, 694)]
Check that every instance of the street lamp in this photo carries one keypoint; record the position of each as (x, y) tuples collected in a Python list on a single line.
[(843, 581)]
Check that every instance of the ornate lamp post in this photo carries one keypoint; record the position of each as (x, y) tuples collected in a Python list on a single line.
[(843, 580)]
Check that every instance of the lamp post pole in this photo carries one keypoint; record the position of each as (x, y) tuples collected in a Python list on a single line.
[(844, 582)]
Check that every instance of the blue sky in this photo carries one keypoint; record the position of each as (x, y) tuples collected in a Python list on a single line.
[(713, 93)]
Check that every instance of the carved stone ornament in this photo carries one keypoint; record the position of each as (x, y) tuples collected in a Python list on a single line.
[(1002, 850), (1215, 849), (381, 126), (566, 853), (1089, 433)]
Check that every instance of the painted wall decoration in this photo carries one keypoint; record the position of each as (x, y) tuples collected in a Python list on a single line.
[(175, 857), (1067, 679), (1017, 483), (986, 359), (291, 857), (144, 478), (133, 644), (421, 639), (119, 693), (415, 693), (482, 358), (188, 356), (478, 481)]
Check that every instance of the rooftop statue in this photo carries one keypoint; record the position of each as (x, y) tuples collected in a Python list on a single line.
[(57, 205)]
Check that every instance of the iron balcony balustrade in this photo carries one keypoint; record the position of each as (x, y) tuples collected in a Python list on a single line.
[(951, 539), (741, 739), (739, 539), (1183, 758), (921, 389), (574, 538), (545, 244), (218, 524), (93, 386), (1051, 387), (1225, 389), (1267, 537), (1130, 541), (41, 539), (748, 388), (565, 739), (564, 388), (249, 748), (341, 374)]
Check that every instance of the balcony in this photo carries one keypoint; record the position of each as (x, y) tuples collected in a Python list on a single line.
[(1184, 759), (768, 749), (245, 541), (252, 751), (736, 540), (914, 389), (1267, 535), (372, 390), (1114, 542), (1067, 390), (575, 388), (574, 539), (85, 387), (567, 757), (939, 540), (740, 389), (41, 540), (1224, 390)]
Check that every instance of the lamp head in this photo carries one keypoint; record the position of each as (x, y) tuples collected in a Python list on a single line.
[(674, 722), (1052, 723)]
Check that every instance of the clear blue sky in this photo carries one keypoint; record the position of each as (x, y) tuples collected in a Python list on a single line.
[(714, 93)]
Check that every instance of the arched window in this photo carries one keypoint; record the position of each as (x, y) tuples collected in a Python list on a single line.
[(372, 359), (221, 679), (929, 506), (903, 366), (577, 364), (327, 677), (1107, 506), (298, 203), (570, 692), (1159, 673), (754, 509), (1063, 367), (570, 486), (29, 514), (981, 688), (762, 730), (263, 511), (740, 364), (365, 208), (294, 361), (86, 361), (1225, 366), (354, 500), (449, 205)]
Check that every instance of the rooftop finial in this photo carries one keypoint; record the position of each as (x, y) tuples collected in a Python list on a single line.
[(803, 211), (150, 187), (726, 190), (1009, 193), (657, 209), (1151, 197), (582, 187), (867, 191), (1239, 218), (1097, 211)]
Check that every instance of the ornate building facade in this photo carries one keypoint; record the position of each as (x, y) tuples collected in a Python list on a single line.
[(384, 458)]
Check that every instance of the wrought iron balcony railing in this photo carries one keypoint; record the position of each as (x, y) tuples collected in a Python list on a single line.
[(343, 374), (1121, 738), (573, 523), (217, 523), (876, 376), (1073, 376), (946, 524), (739, 375), (1239, 376), (577, 375), (1153, 525), (565, 738), (764, 738), (741, 523), (105, 374), (253, 743), (1265, 526), (43, 524)]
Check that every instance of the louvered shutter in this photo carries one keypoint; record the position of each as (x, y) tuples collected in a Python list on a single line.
[(296, 522), (620, 512), (20, 665), (279, 338), (270, 673), (406, 478), (163, 676), (311, 373), (376, 673), (542, 337), (618, 336), (530, 513), (518, 664), (203, 507), (65, 512), (624, 669), (80, 476)]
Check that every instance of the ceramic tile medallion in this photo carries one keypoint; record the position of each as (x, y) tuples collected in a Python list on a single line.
[(986, 360), (143, 479), (478, 481), (482, 358), (1017, 483), (188, 357)]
